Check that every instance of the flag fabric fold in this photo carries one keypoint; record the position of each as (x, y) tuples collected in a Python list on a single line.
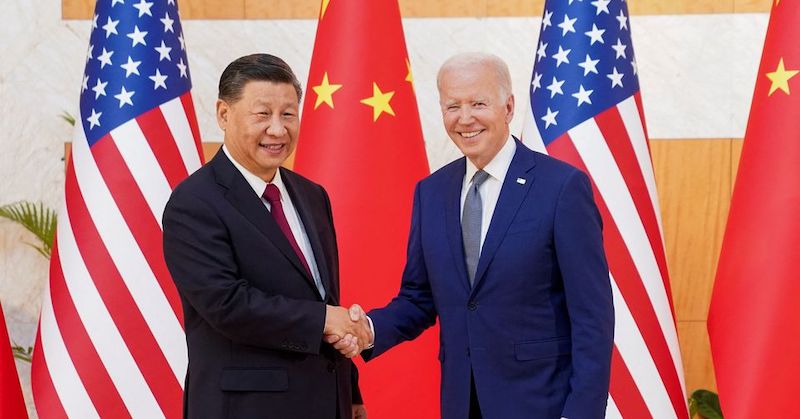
[(754, 323), (361, 139), (585, 109), (111, 340), (12, 405)]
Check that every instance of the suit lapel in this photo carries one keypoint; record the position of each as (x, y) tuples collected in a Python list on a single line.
[(303, 208), (453, 220), (508, 203), (243, 198)]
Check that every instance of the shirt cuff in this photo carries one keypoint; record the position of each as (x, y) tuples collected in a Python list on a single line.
[(372, 330)]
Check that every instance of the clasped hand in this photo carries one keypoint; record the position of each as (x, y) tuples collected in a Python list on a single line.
[(347, 330)]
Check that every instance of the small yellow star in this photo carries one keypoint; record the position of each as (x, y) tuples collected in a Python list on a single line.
[(325, 92), (325, 4), (780, 78), (379, 102), (409, 76)]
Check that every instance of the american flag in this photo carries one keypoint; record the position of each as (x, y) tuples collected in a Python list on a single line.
[(111, 341), (586, 109)]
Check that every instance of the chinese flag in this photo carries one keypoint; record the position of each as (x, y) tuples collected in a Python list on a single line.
[(754, 320), (361, 139), (12, 405)]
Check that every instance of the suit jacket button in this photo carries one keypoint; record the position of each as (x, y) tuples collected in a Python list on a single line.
[(331, 367), (472, 306)]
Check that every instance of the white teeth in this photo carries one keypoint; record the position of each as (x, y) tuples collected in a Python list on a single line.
[(470, 134), (272, 146)]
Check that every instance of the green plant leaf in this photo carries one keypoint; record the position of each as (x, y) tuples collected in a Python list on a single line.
[(692, 407), (22, 353), (67, 117), (36, 218), (707, 404)]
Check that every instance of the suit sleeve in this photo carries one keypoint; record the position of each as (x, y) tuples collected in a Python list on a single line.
[(582, 262), (412, 310), (198, 253)]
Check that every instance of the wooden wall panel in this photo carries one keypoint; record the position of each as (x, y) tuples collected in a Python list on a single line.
[(696, 356), (211, 9), (309, 9), (694, 185), (752, 6)]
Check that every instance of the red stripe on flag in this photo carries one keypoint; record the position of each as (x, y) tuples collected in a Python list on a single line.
[(120, 304), (137, 214), (162, 143), (630, 283), (188, 107), (90, 367), (619, 142), (45, 397), (623, 390)]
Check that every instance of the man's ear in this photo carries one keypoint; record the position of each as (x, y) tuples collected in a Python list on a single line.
[(509, 109), (222, 113)]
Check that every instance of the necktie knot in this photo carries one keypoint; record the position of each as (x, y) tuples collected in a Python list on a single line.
[(479, 177), (272, 194)]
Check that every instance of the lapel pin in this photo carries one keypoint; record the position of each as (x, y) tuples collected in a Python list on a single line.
[(521, 181)]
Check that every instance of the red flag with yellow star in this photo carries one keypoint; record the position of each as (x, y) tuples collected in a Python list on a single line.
[(361, 139), (754, 320)]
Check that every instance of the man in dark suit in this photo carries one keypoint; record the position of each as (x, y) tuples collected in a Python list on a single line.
[(252, 250), (506, 250)]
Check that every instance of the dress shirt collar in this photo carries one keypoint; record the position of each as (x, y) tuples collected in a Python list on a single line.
[(255, 182), (498, 167)]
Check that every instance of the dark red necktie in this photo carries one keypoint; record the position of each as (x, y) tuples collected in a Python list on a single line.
[(273, 195)]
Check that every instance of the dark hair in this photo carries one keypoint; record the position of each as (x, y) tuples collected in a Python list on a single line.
[(262, 67)]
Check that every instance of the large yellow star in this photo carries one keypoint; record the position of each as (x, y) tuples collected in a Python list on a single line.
[(780, 78), (325, 92), (379, 102), (325, 4)]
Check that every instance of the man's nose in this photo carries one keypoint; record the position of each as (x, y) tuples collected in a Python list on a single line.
[(276, 127), (464, 115)]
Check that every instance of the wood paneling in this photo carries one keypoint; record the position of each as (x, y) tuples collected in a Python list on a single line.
[(694, 187), (694, 179), (309, 9), (752, 6), (696, 355)]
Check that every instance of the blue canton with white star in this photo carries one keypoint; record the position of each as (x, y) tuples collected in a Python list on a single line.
[(135, 62), (584, 63)]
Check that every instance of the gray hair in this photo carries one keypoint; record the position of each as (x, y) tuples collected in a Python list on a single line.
[(466, 59)]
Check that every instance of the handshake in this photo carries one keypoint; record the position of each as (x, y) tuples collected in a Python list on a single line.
[(347, 330)]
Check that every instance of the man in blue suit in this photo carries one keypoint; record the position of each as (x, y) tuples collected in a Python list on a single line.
[(506, 250)]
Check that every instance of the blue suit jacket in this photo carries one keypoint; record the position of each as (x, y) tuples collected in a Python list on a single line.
[(536, 329)]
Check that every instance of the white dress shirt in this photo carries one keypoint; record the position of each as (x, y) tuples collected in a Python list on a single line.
[(489, 189), (295, 224)]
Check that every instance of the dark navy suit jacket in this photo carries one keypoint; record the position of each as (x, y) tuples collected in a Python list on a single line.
[(253, 316), (536, 329)]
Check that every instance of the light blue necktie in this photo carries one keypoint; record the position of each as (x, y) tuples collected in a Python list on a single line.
[(471, 223)]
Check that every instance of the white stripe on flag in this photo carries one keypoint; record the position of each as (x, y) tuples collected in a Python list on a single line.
[(612, 411), (178, 124), (144, 167), (594, 151), (62, 372), (129, 260), (102, 330), (633, 125), (634, 352)]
